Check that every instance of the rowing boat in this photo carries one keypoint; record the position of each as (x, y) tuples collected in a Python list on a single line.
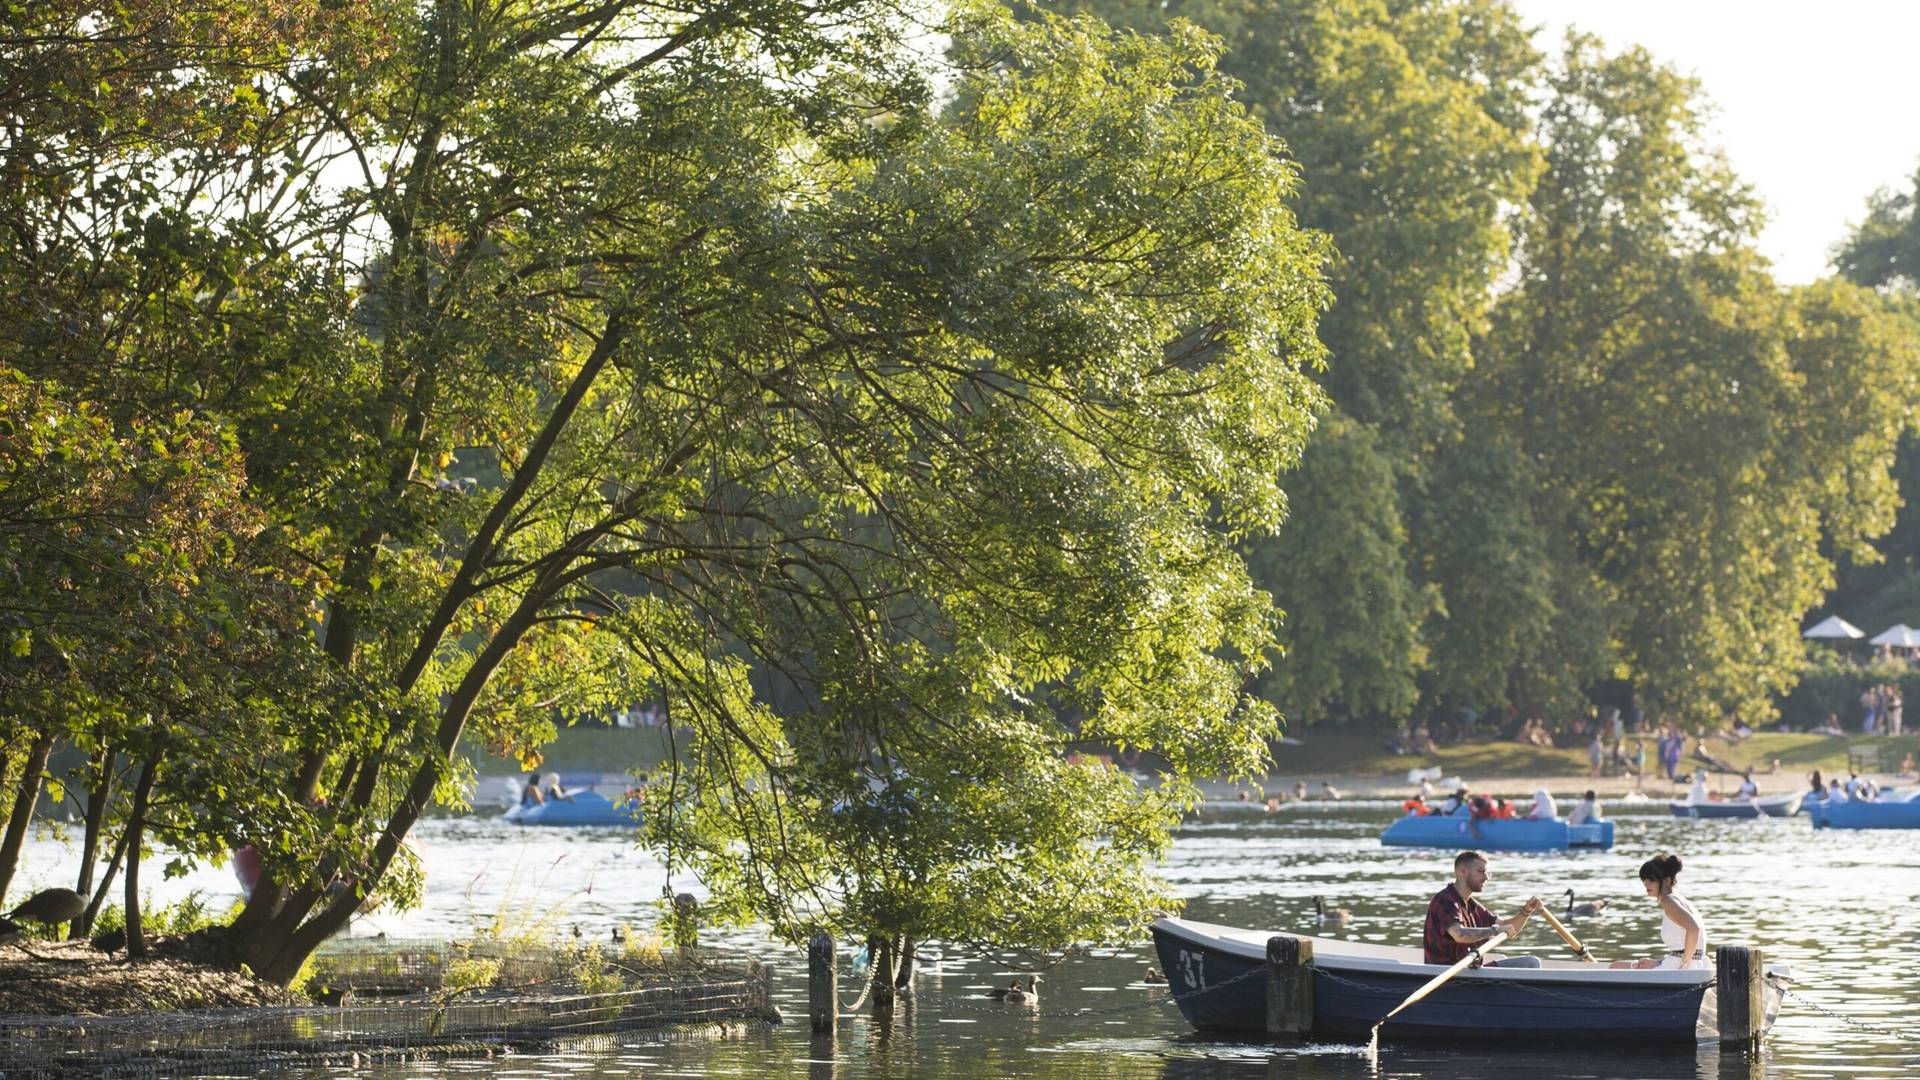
[(1217, 977), (1770, 806)]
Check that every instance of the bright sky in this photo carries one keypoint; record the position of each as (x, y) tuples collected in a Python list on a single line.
[(1814, 100)]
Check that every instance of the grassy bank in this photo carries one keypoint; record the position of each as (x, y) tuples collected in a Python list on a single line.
[(1360, 755)]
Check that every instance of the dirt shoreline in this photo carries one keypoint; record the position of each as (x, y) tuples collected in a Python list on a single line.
[(72, 978)]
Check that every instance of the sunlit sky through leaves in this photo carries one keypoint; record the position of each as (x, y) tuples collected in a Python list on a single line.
[(1814, 99)]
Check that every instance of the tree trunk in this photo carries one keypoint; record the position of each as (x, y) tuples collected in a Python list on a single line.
[(84, 924), (97, 793), (881, 956), (28, 794), (136, 937)]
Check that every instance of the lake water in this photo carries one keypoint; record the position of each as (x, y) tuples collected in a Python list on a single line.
[(1840, 906)]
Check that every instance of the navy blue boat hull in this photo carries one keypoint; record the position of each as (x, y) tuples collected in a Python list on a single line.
[(1219, 991)]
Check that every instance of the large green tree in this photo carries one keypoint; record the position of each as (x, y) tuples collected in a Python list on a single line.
[(786, 384)]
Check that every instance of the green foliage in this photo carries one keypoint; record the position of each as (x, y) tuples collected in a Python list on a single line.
[(1352, 643), (1727, 428), (641, 950), (468, 975), (178, 919), (594, 974)]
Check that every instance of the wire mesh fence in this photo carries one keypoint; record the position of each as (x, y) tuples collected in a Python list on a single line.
[(537, 1002), (382, 966)]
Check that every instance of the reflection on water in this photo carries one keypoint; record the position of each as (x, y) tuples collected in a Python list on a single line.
[(1837, 905)]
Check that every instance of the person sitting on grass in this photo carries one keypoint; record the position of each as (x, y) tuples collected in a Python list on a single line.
[(1456, 922)]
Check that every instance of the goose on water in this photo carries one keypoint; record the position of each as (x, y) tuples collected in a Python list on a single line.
[(1015, 994), (1583, 910), (1330, 916)]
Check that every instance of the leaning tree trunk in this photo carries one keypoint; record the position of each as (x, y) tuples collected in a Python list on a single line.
[(84, 924), (27, 794), (97, 793), (136, 938)]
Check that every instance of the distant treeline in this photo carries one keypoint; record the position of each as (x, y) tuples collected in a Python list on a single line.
[(1577, 430)]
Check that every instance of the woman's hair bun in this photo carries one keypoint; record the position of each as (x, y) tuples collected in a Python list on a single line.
[(1660, 867)]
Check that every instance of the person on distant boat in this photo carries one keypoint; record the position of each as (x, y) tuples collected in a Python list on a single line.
[(1853, 783), (1300, 789), (556, 793), (1680, 928), (1456, 922), (1544, 808), (530, 795), (1587, 813), (1836, 793), (1456, 805), (1698, 796), (1819, 786), (1416, 806), (1749, 790)]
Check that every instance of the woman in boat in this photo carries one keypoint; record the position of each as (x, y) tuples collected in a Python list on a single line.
[(1544, 808), (1680, 928)]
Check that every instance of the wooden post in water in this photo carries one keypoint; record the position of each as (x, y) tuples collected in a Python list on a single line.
[(1740, 995), (1289, 986), (823, 1006)]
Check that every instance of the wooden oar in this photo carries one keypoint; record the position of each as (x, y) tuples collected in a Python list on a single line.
[(1435, 983), (1566, 935)]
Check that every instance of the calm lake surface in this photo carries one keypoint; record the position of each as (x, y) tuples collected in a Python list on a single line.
[(1840, 906)]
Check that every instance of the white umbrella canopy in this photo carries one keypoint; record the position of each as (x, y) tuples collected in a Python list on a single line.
[(1833, 626), (1899, 635)]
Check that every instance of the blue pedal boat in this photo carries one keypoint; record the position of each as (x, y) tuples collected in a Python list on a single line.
[(587, 808), (1854, 814), (1497, 834), (1217, 976)]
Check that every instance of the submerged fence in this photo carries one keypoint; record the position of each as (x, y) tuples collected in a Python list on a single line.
[(544, 1006)]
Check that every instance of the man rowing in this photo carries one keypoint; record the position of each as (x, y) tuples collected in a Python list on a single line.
[(1456, 922)]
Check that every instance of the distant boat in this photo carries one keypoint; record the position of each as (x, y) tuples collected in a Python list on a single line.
[(587, 808), (1497, 834), (1216, 976), (1771, 806), (1854, 814)]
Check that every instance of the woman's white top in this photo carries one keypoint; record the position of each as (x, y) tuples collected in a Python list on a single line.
[(1674, 936), (1543, 806)]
